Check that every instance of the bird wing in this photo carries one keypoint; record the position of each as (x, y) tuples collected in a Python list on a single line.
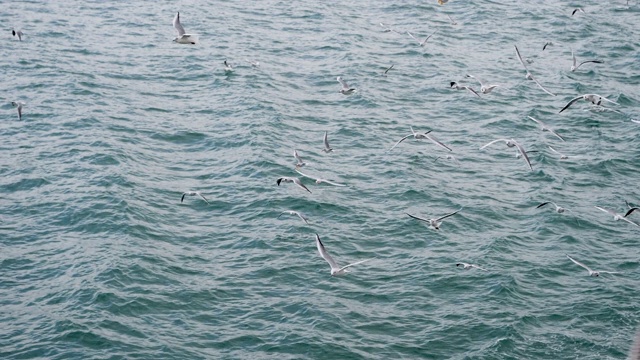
[(629, 221), (301, 217), (19, 111), (537, 121), (399, 141), (524, 154), (183, 195), (297, 156), (570, 103), (579, 263), (325, 139), (478, 267), (304, 175), (423, 43), (630, 211), (343, 83), (355, 263), (419, 218), (606, 210), (472, 91), (493, 142), (390, 67), (325, 255), (203, 198), (520, 58), (446, 216), (177, 25), (555, 133), (299, 183), (540, 86), (477, 79), (543, 204), (413, 37), (437, 142), (588, 61), (332, 183)]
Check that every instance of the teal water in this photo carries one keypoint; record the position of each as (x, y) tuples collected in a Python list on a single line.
[(100, 259)]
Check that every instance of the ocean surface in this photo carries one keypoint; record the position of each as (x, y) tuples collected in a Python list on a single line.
[(100, 259)]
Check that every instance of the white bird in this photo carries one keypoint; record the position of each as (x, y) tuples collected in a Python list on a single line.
[(575, 67), (183, 37), (512, 143), (299, 163), (325, 140), (592, 98), (559, 209), (346, 90), (335, 268), (294, 180), (319, 180), (415, 135), (576, 10), (17, 33), (193, 193), (456, 86), (423, 42), (434, 223), (591, 272), (485, 89), (562, 156), (296, 213), (544, 127), (466, 266), (386, 71), (616, 216), (528, 75), (227, 66), (19, 105)]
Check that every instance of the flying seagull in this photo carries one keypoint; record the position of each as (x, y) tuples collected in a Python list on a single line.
[(296, 213), (325, 140), (485, 89), (512, 143), (466, 266), (299, 163), (575, 67), (415, 135), (544, 127), (434, 223), (528, 75), (592, 98), (617, 216), (455, 85), (319, 180), (591, 272), (294, 180), (183, 37), (19, 105), (346, 90), (335, 268), (227, 66), (576, 10), (17, 33), (423, 42), (193, 193), (558, 208), (388, 29)]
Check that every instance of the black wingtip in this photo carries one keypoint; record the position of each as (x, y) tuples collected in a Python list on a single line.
[(278, 181)]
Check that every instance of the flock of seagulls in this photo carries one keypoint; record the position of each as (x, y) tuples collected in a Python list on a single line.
[(433, 223)]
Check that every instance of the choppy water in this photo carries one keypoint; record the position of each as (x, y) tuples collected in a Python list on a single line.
[(99, 259)]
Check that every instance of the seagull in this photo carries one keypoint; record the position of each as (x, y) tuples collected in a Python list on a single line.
[(456, 86), (466, 266), (335, 269), (346, 90), (423, 42), (528, 75), (576, 10), (415, 135), (575, 67), (319, 180), (544, 127), (386, 71), (193, 193), (617, 216), (434, 223), (294, 180), (483, 89), (592, 98), (298, 214), (559, 209), (591, 272), (325, 140), (183, 37), (17, 33), (512, 143), (450, 19), (19, 105), (299, 159), (227, 66)]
